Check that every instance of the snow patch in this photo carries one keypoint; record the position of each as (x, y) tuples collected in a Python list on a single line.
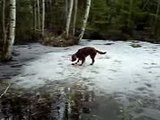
[(122, 68)]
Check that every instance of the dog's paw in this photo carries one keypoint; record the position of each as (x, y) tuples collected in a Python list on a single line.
[(72, 64)]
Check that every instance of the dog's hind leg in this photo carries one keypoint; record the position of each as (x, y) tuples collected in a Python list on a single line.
[(92, 57)]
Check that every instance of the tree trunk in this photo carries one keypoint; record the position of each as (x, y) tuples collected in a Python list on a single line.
[(38, 15), (66, 9), (34, 16), (43, 16), (156, 18), (50, 10), (75, 16), (85, 19), (69, 18), (3, 21), (7, 53)]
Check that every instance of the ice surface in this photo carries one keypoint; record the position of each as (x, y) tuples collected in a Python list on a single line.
[(122, 68)]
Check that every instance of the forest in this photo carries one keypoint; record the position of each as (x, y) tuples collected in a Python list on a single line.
[(60, 22), (41, 39)]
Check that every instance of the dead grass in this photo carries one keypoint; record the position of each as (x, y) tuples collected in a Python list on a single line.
[(58, 41)]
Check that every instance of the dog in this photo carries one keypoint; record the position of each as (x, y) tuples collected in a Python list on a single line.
[(82, 53)]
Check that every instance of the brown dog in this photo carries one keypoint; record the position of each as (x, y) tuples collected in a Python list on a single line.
[(82, 53)]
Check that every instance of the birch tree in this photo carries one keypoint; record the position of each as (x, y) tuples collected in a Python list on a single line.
[(69, 18), (8, 46), (75, 15), (43, 16), (85, 19)]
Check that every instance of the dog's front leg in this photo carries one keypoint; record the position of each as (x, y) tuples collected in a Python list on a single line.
[(75, 62), (83, 60)]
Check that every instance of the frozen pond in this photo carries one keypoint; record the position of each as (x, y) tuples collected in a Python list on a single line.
[(123, 68), (130, 72)]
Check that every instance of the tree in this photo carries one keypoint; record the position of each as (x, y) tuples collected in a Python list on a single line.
[(38, 15), (69, 18), (43, 16), (66, 9), (3, 21), (8, 46), (75, 16), (106, 18), (85, 19), (34, 15)]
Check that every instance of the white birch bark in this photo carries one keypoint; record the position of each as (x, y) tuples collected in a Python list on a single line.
[(85, 19), (43, 16), (69, 18), (75, 15), (11, 35)]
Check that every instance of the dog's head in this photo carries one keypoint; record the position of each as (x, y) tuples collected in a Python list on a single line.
[(74, 58)]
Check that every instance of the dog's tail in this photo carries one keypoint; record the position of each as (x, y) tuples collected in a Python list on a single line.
[(101, 52)]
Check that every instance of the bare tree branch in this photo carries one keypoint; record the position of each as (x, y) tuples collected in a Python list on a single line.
[(5, 90)]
